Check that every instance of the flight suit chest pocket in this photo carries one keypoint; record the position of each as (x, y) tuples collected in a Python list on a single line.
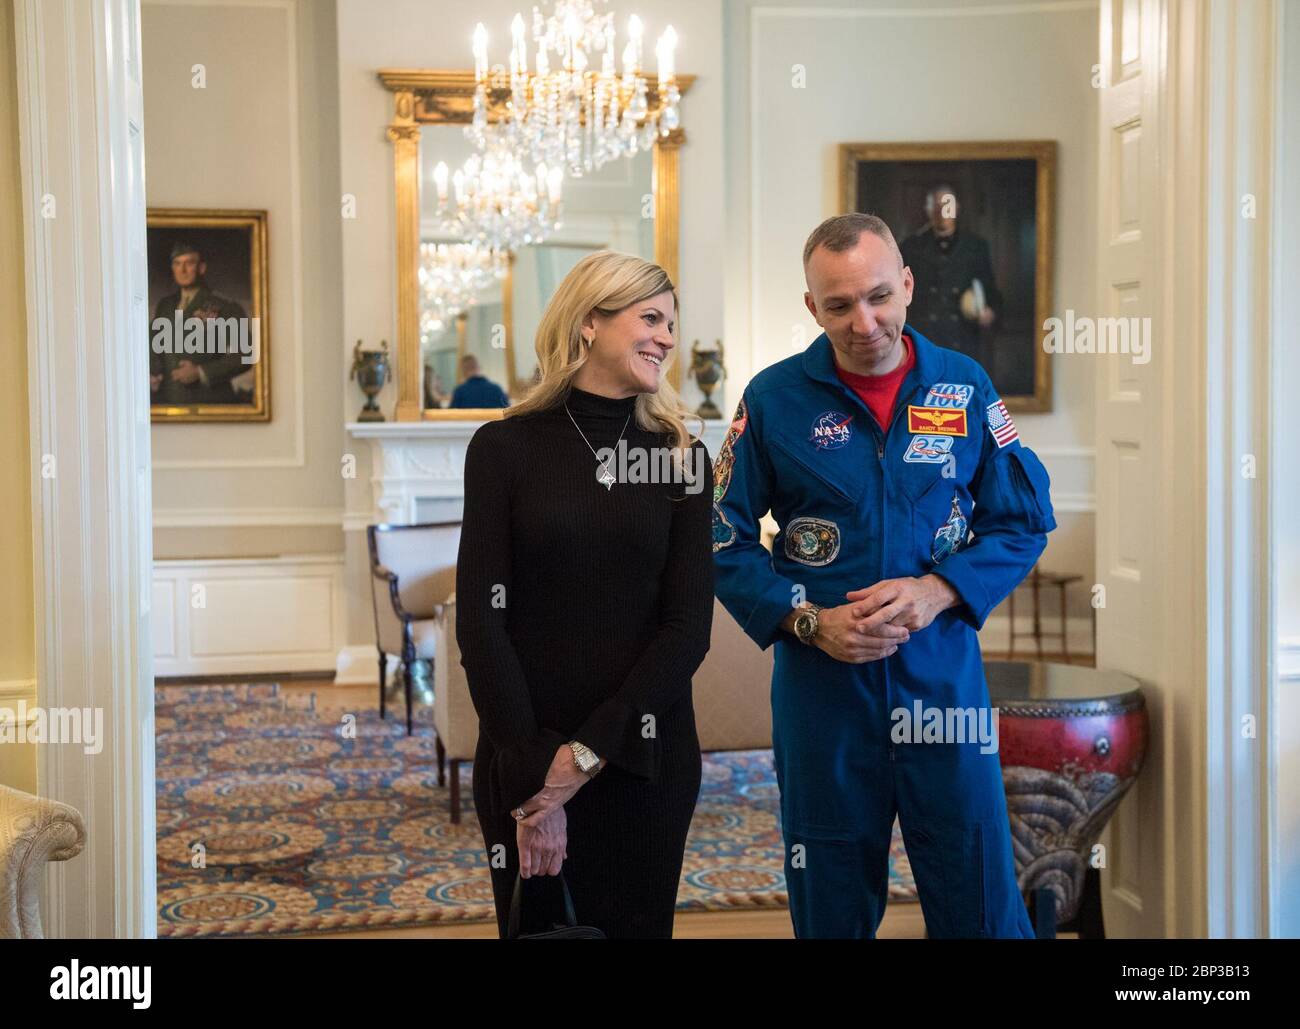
[(928, 461), (802, 469)]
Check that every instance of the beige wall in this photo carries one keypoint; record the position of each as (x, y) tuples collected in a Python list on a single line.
[(17, 633), (878, 71), (262, 134)]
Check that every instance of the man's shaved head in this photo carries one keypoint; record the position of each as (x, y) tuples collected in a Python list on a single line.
[(841, 232), (858, 291)]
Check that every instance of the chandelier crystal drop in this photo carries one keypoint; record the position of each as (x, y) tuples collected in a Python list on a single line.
[(499, 202), (575, 110), (452, 276)]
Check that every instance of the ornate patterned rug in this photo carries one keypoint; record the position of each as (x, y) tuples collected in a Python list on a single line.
[(277, 817)]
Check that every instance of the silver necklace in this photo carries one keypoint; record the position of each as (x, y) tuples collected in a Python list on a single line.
[(606, 477)]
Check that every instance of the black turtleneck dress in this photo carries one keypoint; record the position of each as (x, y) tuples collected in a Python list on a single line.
[(582, 614)]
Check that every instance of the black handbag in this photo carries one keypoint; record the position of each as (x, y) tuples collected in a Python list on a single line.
[(566, 930)]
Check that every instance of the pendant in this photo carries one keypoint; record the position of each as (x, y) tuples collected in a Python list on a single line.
[(607, 480)]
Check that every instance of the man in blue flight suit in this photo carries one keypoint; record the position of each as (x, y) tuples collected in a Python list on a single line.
[(897, 540)]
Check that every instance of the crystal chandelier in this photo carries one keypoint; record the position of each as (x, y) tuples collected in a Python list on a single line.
[(499, 203), (451, 278), (573, 115)]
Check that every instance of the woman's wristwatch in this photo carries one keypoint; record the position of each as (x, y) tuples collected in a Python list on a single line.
[(585, 758)]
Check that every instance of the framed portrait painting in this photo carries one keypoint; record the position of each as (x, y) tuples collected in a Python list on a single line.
[(209, 334), (974, 223)]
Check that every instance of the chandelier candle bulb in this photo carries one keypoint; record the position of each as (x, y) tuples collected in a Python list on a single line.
[(480, 52), (518, 49), (575, 112), (664, 55), (634, 38)]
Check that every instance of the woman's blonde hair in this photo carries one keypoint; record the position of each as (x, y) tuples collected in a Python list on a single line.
[(606, 282)]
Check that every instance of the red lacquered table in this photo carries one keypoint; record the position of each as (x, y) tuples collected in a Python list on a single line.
[(1072, 740)]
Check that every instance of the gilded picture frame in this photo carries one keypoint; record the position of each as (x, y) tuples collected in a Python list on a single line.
[(1001, 197), (209, 324)]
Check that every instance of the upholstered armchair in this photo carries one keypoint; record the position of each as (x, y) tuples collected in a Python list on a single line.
[(454, 718), (412, 572), (32, 831)]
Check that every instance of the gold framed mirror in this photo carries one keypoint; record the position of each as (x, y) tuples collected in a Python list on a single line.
[(430, 108)]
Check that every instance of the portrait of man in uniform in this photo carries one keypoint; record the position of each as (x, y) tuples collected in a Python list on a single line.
[(974, 224), (208, 330)]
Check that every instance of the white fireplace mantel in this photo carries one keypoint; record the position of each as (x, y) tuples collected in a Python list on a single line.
[(418, 468)]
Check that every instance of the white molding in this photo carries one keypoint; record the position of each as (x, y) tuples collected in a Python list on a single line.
[(297, 307), (217, 3), (243, 517), (1288, 659), (995, 636), (358, 521), (1074, 503), (266, 567), (80, 140), (443, 429), (962, 11), (1064, 451), (357, 664)]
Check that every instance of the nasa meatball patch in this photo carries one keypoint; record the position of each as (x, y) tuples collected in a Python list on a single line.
[(831, 430)]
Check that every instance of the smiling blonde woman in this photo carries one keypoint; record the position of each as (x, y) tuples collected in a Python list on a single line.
[(585, 600)]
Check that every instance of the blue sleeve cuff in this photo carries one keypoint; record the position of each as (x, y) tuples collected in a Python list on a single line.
[(763, 625), (976, 604)]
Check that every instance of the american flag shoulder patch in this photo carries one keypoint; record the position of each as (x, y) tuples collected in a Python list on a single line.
[(1001, 424)]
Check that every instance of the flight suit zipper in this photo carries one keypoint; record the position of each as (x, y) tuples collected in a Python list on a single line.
[(900, 405), (881, 439)]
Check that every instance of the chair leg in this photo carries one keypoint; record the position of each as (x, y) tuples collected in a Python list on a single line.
[(1011, 612), (1038, 624), (1065, 636), (407, 674), (442, 759), (383, 682), (455, 791)]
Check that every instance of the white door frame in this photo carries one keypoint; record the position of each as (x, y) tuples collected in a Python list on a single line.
[(1284, 842), (1241, 353), (1192, 613), (82, 156)]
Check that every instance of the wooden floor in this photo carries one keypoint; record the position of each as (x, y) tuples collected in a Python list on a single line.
[(902, 921)]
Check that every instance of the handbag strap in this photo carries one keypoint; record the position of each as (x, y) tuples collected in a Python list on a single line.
[(516, 903)]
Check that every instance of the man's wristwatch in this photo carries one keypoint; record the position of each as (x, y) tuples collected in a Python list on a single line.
[(807, 624), (585, 758)]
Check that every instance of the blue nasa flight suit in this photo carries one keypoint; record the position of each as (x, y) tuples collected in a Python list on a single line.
[(857, 505)]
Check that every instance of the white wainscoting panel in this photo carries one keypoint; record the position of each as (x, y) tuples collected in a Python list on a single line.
[(250, 615)]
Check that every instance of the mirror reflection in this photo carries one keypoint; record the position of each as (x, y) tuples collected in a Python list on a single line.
[(482, 356)]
